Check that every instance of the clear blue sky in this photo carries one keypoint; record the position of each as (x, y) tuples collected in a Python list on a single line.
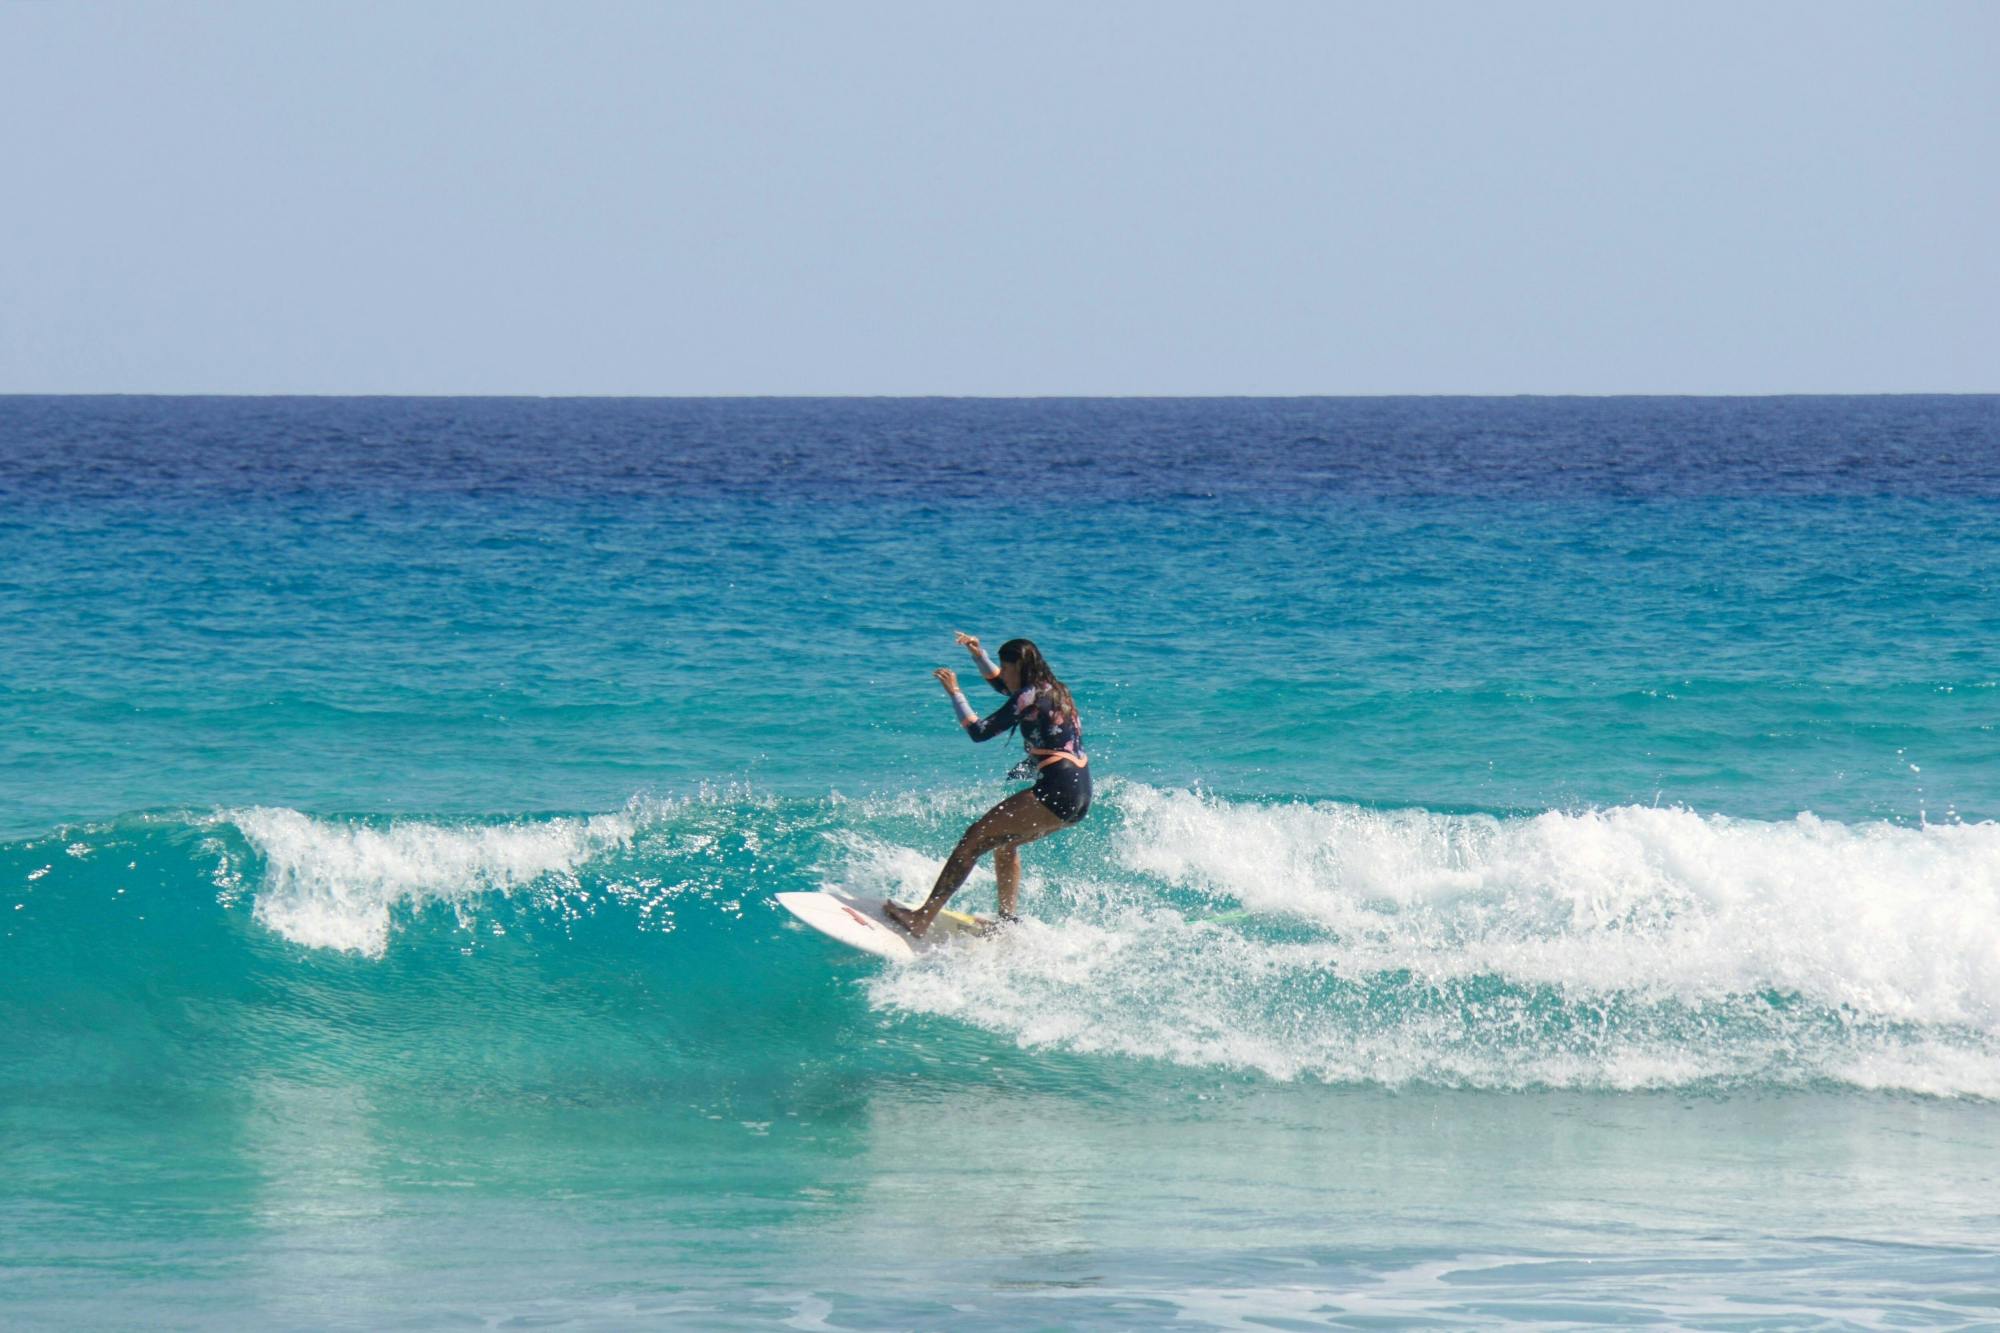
[(999, 198)]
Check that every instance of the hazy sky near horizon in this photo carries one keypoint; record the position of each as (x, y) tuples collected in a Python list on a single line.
[(1097, 198)]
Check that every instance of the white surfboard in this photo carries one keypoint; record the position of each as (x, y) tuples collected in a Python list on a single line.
[(859, 923)]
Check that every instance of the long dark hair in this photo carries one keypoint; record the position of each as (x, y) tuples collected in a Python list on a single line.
[(1035, 671)]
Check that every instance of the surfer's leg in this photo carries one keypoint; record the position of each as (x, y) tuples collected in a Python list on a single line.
[(1018, 819), (1007, 869)]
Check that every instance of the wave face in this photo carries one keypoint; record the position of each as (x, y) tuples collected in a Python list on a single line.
[(1621, 948)]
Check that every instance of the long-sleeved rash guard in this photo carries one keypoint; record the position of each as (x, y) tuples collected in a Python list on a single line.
[(1042, 726)]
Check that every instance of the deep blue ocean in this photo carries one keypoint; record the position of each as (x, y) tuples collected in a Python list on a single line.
[(1544, 869)]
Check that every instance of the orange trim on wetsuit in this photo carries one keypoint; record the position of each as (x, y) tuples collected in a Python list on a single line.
[(1050, 736)]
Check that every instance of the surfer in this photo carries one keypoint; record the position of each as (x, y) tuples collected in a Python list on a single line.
[(1040, 705)]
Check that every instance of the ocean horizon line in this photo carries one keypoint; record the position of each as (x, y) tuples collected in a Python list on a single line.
[(1469, 395)]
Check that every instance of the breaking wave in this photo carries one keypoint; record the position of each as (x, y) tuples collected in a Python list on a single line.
[(1612, 949)]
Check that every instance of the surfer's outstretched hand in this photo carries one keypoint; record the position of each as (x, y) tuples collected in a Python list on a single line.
[(968, 641), (947, 678)]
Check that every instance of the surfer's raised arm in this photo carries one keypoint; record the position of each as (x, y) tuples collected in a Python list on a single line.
[(977, 727), (988, 668)]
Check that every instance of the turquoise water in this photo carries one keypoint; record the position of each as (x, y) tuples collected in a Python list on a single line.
[(1545, 864)]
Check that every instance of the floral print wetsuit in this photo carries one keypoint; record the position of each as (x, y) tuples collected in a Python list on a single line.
[(1060, 784)]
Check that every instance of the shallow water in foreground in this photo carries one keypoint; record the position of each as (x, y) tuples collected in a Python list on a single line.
[(905, 1204)]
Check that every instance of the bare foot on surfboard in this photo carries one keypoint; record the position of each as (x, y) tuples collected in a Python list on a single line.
[(902, 916)]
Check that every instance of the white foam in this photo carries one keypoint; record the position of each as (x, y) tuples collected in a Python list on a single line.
[(873, 867), (1892, 921), (333, 884), (1627, 948)]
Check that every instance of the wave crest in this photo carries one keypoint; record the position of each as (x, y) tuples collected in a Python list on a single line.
[(1629, 947), (1619, 948), (331, 884)]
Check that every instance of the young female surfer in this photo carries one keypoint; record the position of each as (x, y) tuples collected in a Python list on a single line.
[(1040, 706)]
